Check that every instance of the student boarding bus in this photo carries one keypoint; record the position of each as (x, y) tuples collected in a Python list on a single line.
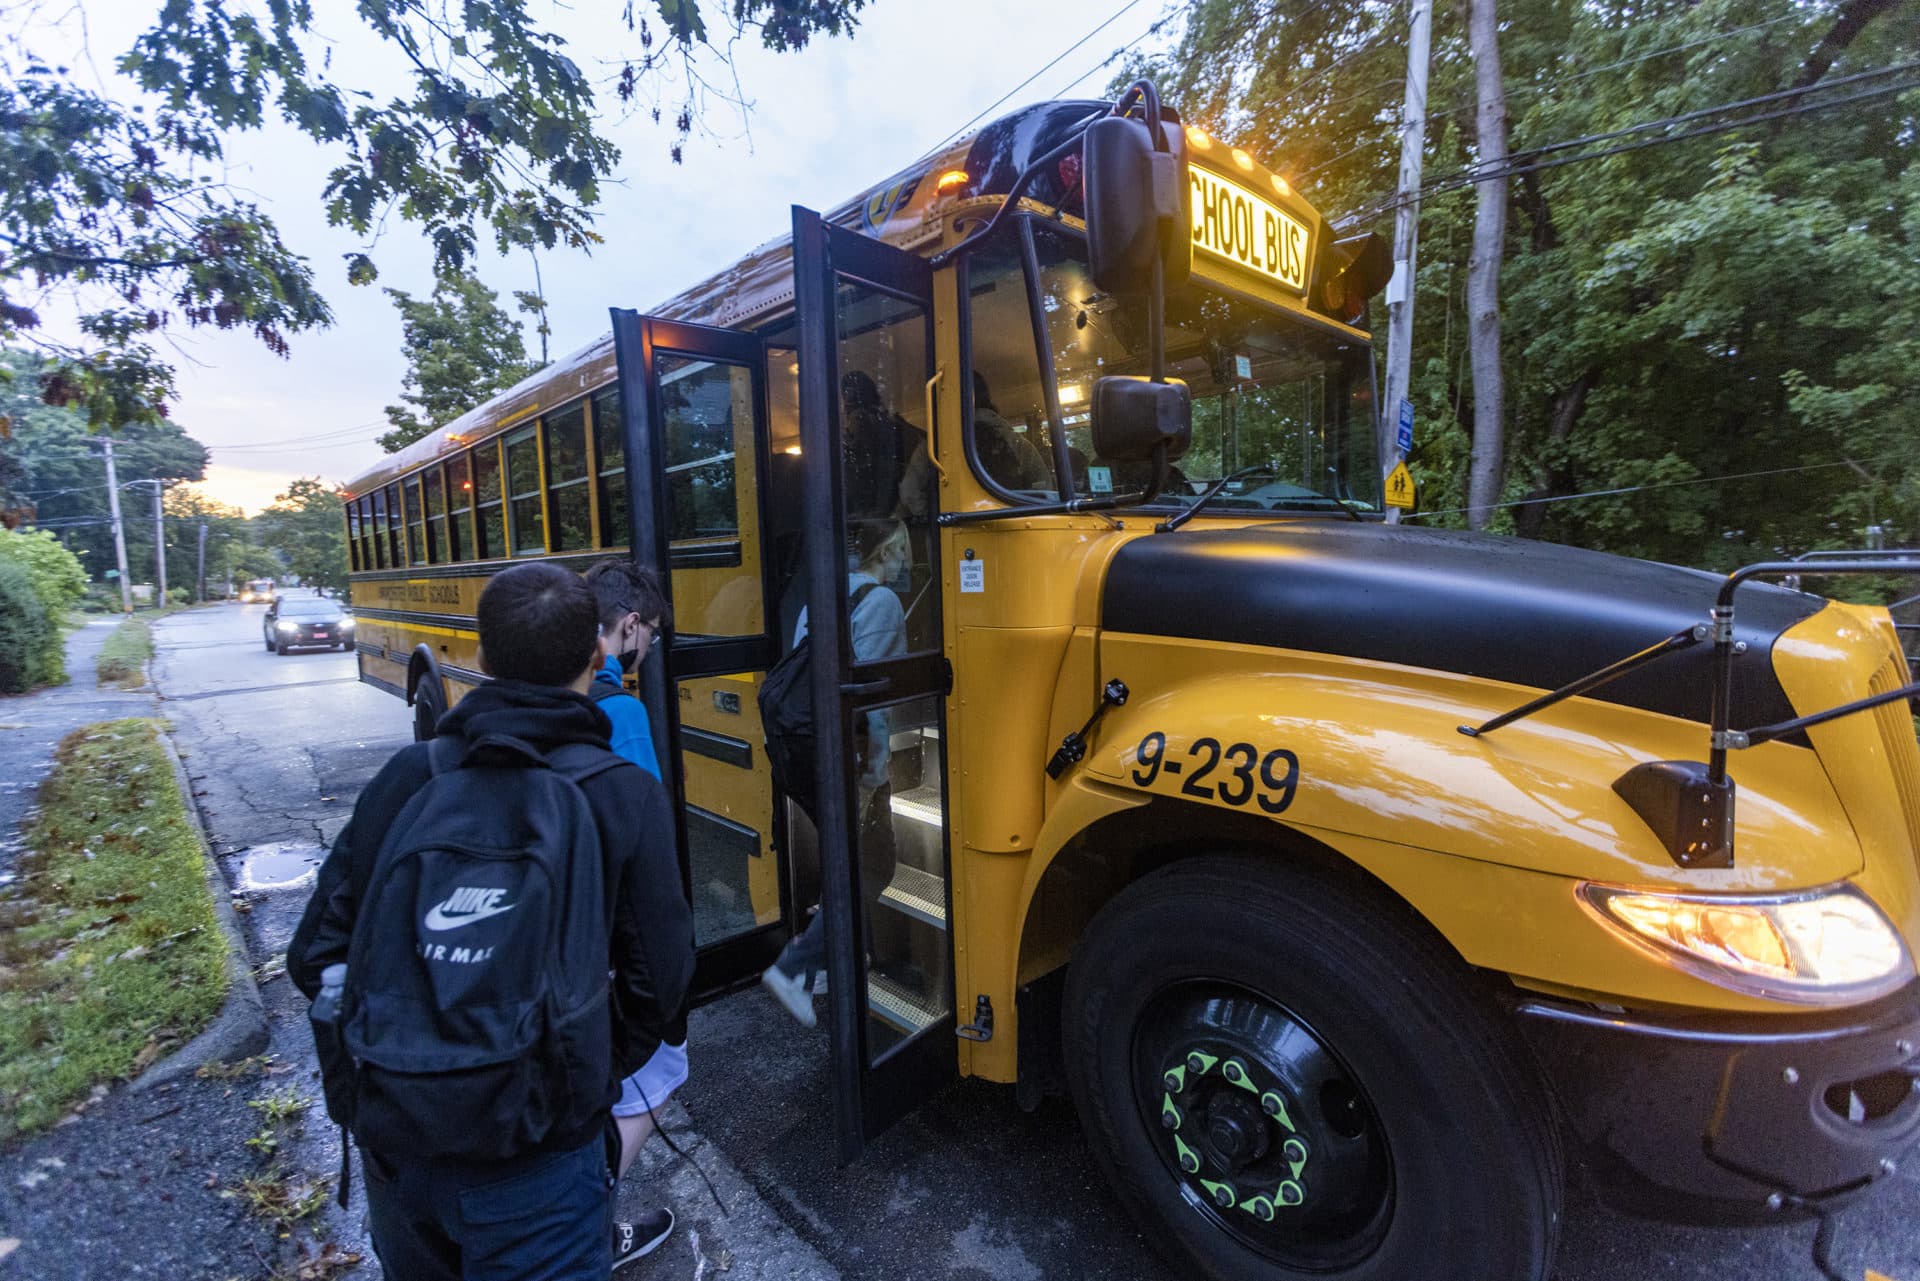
[(1356, 879)]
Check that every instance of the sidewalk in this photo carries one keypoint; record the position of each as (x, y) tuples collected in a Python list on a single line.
[(148, 1185), (133, 1186)]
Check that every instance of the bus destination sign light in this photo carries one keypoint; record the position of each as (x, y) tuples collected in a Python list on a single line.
[(1248, 230)]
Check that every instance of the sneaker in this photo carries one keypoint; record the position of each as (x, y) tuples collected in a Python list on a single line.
[(791, 991), (640, 1238)]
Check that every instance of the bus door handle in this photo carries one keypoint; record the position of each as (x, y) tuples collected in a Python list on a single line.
[(859, 689), (933, 425)]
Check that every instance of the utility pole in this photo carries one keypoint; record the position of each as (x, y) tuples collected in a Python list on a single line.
[(200, 578), (1406, 238), (119, 534), (1483, 271), (159, 547)]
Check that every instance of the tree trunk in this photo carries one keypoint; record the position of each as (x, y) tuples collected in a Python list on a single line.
[(1551, 480), (1483, 272)]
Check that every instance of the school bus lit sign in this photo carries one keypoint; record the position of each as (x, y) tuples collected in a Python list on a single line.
[(1251, 232)]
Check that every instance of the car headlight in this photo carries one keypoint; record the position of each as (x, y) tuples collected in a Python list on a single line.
[(1828, 946), (284, 626), (346, 624)]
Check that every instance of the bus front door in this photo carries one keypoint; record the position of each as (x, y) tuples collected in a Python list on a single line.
[(865, 324), (694, 404)]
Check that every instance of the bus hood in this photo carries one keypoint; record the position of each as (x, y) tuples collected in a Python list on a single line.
[(1530, 613)]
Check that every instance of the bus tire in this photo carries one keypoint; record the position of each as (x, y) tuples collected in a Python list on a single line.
[(1426, 1144), (429, 705)]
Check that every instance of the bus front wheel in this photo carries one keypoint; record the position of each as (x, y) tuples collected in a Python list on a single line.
[(1284, 1078)]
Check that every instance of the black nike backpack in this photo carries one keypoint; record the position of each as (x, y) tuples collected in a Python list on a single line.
[(475, 1008), (786, 715)]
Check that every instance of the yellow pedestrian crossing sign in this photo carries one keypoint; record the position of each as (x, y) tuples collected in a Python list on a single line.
[(1400, 487)]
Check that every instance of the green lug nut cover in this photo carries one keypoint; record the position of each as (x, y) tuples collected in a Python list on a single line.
[(1236, 1073), (1200, 1064), (1276, 1107), (1259, 1207), (1296, 1153), (1175, 1080), (1188, 1160), (1223, 1194), (1169, 1114), (1290, 1193)]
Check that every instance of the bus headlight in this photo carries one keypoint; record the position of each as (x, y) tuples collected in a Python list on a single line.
[(1822, 947)]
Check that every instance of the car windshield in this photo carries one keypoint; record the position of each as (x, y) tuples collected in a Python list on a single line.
[(309, 609), (1269, 390)]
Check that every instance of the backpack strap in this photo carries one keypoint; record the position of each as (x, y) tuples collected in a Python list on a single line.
[(860, 593), (582, 761)]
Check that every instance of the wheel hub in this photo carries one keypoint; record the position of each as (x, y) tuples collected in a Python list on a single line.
[(1262, 1127)]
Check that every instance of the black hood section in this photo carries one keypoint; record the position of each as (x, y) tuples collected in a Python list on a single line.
[(1535, 614), (545, 716)]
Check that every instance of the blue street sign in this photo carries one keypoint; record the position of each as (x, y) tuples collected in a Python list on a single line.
[(1405, 441)]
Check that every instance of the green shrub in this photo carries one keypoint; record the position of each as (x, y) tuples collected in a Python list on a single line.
[(178, 595), (57, 577), (30, 645)]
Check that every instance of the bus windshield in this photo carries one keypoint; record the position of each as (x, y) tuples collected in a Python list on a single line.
[(1269, 391)]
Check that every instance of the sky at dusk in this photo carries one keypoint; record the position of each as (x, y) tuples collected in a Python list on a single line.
[(823, 124)]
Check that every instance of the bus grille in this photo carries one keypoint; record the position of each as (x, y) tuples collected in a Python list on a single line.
[(1896, 724)]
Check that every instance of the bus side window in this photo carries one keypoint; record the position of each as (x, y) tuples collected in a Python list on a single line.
[(610, 449), (353, 537), (524, 503), (486, 493), (433, 494), (416, 523), (396, 535), (569, 497), (459, 508)]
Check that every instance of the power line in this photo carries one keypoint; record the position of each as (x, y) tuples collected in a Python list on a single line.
[(1524, 163), (1664, 484), (1058, 58)]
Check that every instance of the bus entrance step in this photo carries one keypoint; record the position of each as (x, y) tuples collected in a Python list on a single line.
[(917, 893), (894, 1003), (921, 805)]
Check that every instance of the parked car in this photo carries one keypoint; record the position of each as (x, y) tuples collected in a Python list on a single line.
[(307, 622)]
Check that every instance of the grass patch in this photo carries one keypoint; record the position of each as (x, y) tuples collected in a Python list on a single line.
[(110, 952), (123, 659)]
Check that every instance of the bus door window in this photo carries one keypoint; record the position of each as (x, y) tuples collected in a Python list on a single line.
[(353, 537), (610, 450), (710, 452), (786, 553), (1011, 443), (712, 496), (569, 495), (486, 490), (524, 501), (898, 819), (459, 508)]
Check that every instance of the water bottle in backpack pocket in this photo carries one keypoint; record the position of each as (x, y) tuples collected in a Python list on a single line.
[(475, 1002)]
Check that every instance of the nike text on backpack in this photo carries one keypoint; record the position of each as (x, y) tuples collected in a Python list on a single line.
[(474, 1016), (786, 714)]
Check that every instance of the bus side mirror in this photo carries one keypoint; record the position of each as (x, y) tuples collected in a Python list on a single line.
[(1132, 192), (1135, 417)]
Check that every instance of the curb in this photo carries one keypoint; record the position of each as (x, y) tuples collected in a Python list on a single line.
[(239, 1030)]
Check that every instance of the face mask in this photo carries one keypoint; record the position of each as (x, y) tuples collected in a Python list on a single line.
[(629, 659)]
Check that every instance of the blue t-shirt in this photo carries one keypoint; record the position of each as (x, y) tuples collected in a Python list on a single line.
[(632, 729)]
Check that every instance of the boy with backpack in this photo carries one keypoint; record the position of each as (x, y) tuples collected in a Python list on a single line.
[(496, 939)]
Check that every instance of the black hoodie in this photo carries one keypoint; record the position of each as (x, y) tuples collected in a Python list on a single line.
[(651, 948)]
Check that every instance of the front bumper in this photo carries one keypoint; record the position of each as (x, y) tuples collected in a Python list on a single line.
[(1729, 1119)]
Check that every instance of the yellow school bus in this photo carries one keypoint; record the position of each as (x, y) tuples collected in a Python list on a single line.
[(1355, 878)]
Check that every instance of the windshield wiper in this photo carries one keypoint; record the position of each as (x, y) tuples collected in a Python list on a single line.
[(1213, 491)]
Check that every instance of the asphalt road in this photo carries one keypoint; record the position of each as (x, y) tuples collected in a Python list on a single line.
[(969, 1187)]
